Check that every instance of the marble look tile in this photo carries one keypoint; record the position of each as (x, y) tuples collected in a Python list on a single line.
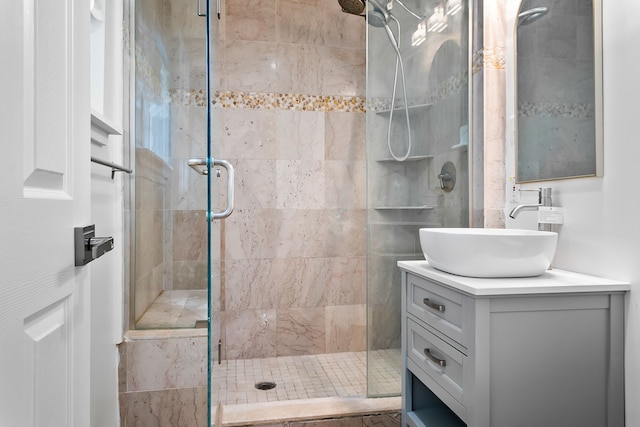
[(539, 82), (160, 364), (164, 311), (146, 291), (156, 334), (250, 284), (189, 236), (345, 135), (251, 20), (189, 275), (556, 36), (300, 232), (300, 184), (255, 184), (298, 411), (249, 334), (150, 229), (494, 113), (384, 324), (301, 21), (182, 19), (185, 407), (300, 135), (188, 188), (248, 134), (337, 422), (153, 172), (494, 174), (494, 218), (188, 131), (122, 367), (251, 234), (299, 69), (344, 72), (195, 308), (300, 331), (346, 232), (346, 281), (495, 25), (186, 62), (345, 184), (300, 282), (383, 420), (383, 274), (343, 29), (250, 66), (346, 328)]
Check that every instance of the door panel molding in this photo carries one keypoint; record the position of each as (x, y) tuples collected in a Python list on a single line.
[(47, 366), (47, 93)]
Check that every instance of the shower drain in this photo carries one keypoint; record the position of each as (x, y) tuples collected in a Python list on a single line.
[(265, 385)]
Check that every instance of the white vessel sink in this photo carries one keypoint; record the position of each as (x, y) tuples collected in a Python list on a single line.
[(489, 252)]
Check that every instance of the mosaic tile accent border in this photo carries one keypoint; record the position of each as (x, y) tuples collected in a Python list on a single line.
[(477, 61), (148, 74), (270, 101), (554, 110), (319, 103), (494, 58), (452, 86)]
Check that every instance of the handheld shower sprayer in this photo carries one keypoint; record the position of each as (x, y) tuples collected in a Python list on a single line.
[(379, 17)]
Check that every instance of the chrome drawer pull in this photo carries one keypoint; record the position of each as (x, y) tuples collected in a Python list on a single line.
[(428, 303), (434, 359)]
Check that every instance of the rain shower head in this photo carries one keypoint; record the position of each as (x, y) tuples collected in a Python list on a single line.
[(354, 7), (531, 15)]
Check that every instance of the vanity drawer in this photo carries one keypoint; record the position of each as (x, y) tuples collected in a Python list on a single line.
[(436, 305), (439, 360)]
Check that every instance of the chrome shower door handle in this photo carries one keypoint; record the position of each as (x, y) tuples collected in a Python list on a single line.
[(196, 164), (230, 188)]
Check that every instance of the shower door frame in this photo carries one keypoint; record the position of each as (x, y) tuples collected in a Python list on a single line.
[(130, 188)]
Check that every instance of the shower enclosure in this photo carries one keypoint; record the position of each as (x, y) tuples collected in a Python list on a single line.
[(301, 277), (417, 151)]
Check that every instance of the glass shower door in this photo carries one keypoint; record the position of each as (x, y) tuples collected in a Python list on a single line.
[(170, 280), (417, 144), (182, 191)]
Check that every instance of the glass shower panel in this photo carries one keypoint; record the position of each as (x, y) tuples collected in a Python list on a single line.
[(170, 279), (409, 140)]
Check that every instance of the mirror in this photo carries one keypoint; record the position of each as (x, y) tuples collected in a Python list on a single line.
[(558, 86)]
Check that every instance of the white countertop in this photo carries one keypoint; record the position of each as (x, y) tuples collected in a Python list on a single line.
[(550, 282)]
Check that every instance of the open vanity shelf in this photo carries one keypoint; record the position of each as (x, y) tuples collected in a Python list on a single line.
[(526, 352)]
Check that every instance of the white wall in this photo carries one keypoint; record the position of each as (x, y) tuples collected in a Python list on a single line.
[(107, 214), (106, 287), (601, 233)]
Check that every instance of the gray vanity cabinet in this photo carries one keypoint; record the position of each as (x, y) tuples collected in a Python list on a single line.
[(511, 356)]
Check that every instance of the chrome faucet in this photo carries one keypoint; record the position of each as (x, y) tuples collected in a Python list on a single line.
[(544, 199)]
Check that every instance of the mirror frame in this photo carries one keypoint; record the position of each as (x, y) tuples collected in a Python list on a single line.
[(512, 10)]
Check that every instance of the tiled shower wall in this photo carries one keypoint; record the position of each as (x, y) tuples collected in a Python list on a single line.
[(288, 113), (291, 119)]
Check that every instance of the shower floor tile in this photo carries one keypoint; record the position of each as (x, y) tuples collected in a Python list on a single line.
[(304, 377)]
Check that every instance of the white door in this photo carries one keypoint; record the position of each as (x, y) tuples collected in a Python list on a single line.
[(44, 194)]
